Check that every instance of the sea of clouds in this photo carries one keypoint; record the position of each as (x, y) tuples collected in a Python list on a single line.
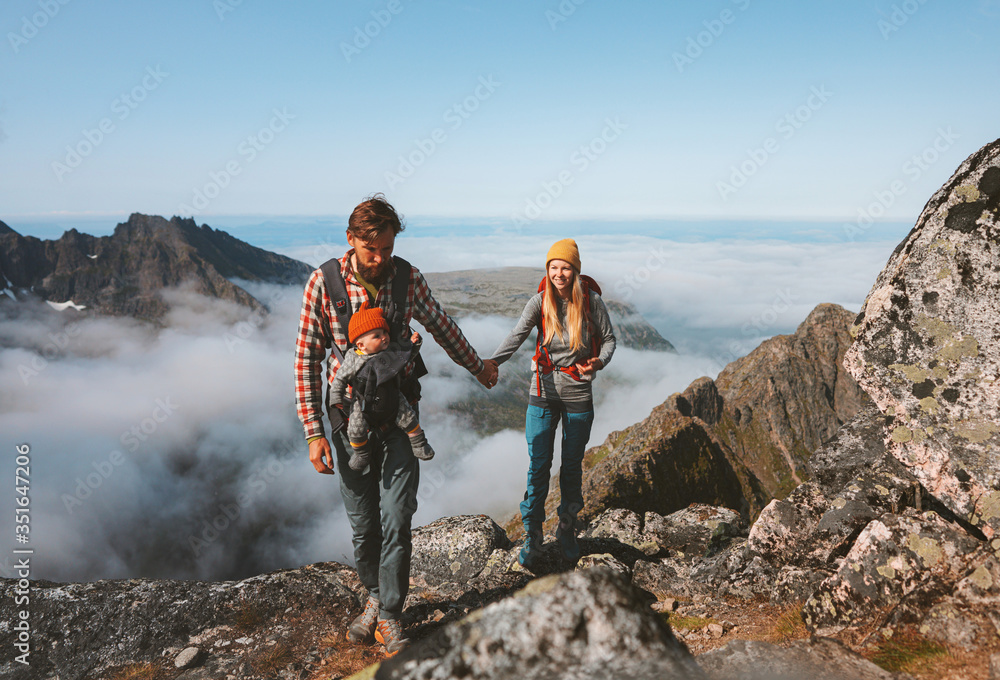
[(176, 452)]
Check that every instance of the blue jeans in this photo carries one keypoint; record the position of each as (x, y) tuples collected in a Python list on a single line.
[(540, 431)]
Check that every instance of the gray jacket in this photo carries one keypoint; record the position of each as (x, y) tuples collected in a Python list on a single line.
[(557, 386)]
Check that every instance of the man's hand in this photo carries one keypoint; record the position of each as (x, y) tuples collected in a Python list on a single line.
[(321, 456), (490, 373), (415, 338), (590, 366)]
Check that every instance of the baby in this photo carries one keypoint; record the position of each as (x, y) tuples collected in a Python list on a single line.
[(375, 386)]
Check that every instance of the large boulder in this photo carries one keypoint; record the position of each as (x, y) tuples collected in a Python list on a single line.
[(927, 348), (584, 624), (455, 548), (916, 556), (818, 659)]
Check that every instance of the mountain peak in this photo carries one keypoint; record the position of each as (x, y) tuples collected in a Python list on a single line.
[(123, 274), (4, 229)]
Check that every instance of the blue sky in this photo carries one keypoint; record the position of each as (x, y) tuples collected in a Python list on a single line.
[(730, 109)]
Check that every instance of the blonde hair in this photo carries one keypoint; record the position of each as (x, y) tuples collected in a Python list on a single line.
[(574, 313)]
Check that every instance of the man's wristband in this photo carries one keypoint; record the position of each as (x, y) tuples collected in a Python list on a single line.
[(312, 439)]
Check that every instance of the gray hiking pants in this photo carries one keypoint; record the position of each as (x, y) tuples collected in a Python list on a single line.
[(380, 506)]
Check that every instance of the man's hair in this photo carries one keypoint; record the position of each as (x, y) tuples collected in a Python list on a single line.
[(373, 217)]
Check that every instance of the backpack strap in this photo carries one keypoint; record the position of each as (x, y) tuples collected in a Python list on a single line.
[(336, 289), (542, 362), (397, 303)]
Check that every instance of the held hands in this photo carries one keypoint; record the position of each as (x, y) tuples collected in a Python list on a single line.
[(321, 456), (490, 374), (590, 366)]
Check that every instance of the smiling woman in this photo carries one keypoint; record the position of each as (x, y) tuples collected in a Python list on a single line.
[(575, 340)]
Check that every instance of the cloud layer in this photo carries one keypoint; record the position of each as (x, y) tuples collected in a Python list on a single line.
[(175, 451)]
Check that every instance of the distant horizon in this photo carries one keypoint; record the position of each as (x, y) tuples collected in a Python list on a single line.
[(270, 230)]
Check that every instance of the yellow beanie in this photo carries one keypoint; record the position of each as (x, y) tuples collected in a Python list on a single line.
[(564, 250)]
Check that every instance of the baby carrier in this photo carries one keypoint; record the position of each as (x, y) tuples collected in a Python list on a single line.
[(380, 398)]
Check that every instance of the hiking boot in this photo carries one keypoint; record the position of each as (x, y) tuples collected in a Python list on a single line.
[(390, 633), (531, 550), (360, 457), (363, 627), (566, 536), (421, 449)]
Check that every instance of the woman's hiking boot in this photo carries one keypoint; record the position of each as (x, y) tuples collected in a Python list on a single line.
[(566, 536), (390, 633), (532, 549), (362, 628)]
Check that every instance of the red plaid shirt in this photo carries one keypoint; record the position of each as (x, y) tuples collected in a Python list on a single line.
[(318, 328)]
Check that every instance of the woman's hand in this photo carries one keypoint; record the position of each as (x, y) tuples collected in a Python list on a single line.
[(490, 374), (590, 366)]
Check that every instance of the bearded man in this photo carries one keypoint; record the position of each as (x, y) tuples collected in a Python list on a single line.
[(380, 501)]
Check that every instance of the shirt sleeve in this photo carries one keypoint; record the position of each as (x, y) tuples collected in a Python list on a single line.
[(602, 326), (311, 343), (522, 329), (442, 327)]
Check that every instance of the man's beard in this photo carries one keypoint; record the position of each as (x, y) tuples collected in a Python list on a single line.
[(376, 274)]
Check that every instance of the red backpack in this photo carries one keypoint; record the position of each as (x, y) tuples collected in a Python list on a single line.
[(542, 362)]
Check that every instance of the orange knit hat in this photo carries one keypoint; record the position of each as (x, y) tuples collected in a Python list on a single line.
[(364, 320)]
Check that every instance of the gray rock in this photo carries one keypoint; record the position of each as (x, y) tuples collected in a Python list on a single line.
[(982, 585), (926, 346), (779, 530), (995, 666), (623, 526), (188, 658), (664, 581), (605, 561), (83, 629), (893, 557), (456, 548), (794, 584), (947, 623), (697, 530), (818, 659), (586, 624)]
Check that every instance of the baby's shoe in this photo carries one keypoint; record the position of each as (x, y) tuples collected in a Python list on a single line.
[(360, 457), (421, 449)]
